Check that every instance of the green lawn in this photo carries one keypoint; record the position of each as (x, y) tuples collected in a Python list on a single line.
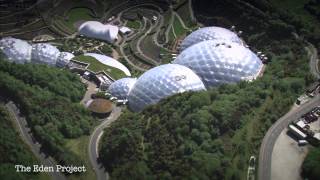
[(178, 28), (77, 14), (97, 66), (133, 24), (80, 147)]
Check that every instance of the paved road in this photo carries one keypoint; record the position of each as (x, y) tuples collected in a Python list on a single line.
[(30, 140), (270, 138), (314, 60), (94, 144)]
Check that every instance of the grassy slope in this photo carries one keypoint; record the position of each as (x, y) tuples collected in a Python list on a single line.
[(178, 28), (79, 147), (97, 66), (77, 14)]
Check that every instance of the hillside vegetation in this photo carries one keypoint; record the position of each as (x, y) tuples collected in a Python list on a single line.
[(49, 99), (13, 150), (212, 134)]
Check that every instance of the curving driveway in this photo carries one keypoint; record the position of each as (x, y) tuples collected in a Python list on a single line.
[(94, 144)]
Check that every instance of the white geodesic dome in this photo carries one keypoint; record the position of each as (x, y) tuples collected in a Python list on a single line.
[(217, 62), (44, 53), (161, 82), (122, 87), (64, 58), (209, 33), (16, 50)]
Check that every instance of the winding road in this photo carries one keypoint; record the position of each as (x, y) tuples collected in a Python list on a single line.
[(28, 138), (94, 144), (268, 142)]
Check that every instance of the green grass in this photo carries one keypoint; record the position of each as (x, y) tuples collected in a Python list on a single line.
[(185, 15), (77, 14), (178, 28), (80, 147), (97, 66), (297, 7), (133, 24)]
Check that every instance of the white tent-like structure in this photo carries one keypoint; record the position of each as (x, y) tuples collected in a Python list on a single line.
[(109, 62), (97, 30)]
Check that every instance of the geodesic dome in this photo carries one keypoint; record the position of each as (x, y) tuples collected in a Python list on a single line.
[(64, 58), (217, 62), (209, 33), (16, 50), (122, 87), (44, 53), (161, 82)]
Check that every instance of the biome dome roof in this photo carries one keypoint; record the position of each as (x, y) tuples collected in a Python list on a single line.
[(44, 53), (16, 50), (209, 33), (64, 58), (95, 29), (109, 62), (161, 82), (122, 87), (217, 62)]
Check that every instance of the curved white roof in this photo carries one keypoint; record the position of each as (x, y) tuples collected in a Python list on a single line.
[(122, 87), (95, 29), (16, 50), (109, 62), (44, 53), (64, 58), (161, 82), (217, 62), (209, 33)]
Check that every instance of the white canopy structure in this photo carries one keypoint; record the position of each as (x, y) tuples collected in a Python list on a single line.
[(95, 29), (109, 62)]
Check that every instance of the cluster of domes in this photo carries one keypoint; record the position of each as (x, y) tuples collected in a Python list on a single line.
[(20, 51), (209, 57)]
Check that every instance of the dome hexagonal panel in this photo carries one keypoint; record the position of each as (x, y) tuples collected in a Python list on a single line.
[(217, 62), (161, 82), (64, 58), (44, 53), (16, 50), (122, 87), (209, 33)]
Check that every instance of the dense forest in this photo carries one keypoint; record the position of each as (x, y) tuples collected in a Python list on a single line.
[(49, 99), (212, 134), (12, 150), (311, 165)]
